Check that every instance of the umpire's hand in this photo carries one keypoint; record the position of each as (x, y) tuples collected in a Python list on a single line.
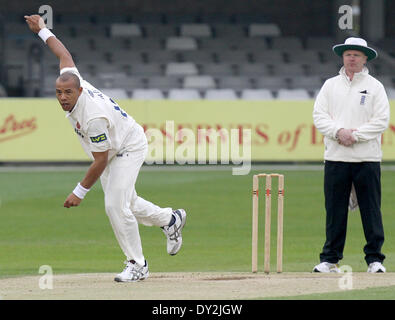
[(345, 137)]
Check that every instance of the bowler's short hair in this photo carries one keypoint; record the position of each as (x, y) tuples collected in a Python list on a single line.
[(66, 76)]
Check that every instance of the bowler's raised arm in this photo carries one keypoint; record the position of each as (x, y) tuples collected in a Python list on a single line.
[(37, 25)]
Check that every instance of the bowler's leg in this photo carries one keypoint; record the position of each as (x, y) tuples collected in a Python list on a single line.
[(148, 213), (118, 186)]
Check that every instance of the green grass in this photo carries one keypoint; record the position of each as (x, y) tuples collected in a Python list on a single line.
[(36, 230)]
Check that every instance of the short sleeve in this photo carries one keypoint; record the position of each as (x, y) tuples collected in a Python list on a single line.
[(99, 140)]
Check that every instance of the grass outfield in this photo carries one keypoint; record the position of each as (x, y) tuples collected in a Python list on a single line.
[(36, 230)]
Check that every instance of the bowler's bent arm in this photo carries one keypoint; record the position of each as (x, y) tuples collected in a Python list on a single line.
[(94, 172), (96, 169)]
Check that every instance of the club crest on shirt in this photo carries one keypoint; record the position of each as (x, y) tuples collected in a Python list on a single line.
[(99, 138), (363, 97), (77, 129)]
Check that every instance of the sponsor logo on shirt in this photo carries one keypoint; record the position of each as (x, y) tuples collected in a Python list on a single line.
[(99, 138)]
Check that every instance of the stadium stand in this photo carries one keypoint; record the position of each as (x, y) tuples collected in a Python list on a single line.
[(220, 94), (309, 83), (256, 94), (217, 69), (182, 56), (184, 94), (181, 43), (264, 30), (115, 93), (3, 93), (391, 93), (164, 82), (148, 94), (200, 82), (271, 82), (195, 30), (293, 94), (181, 68), (234, 82)]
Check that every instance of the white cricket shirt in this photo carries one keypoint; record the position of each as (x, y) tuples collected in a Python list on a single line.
[(360, 104), (99, 122)]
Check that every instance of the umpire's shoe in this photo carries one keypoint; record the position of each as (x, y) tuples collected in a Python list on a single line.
[(173, 231), (326, 267), (376, 267)]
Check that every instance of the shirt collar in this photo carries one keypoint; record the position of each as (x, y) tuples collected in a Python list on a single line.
[(358, 75)]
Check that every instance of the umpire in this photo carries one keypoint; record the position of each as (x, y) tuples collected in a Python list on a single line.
[(352, 111)]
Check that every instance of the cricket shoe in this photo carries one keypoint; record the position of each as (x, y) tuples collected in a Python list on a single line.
[(376, 267), (173, 232), (326, 267), (133, 272)]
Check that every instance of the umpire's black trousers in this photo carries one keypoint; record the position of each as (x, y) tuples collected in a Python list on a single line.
[(338, 180)]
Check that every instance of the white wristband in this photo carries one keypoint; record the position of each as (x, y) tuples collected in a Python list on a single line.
[(80, 191), (45, 33)]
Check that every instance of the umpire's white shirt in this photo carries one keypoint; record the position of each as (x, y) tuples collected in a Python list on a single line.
[(99, 122), (360, 104)]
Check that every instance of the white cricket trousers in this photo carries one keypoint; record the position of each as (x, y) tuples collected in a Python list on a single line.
[(124, 208)]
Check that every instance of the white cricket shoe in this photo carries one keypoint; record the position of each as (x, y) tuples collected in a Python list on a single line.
[(326, 267), (133, 272), (376, 267), (173, 232)]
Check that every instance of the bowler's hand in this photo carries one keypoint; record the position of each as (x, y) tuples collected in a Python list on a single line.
[(35, 22), (72, 201), (345, 137)]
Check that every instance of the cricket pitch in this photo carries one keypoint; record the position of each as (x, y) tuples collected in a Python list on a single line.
[(187, 286)]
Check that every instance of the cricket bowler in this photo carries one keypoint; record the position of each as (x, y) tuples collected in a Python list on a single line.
[(117, 145)]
